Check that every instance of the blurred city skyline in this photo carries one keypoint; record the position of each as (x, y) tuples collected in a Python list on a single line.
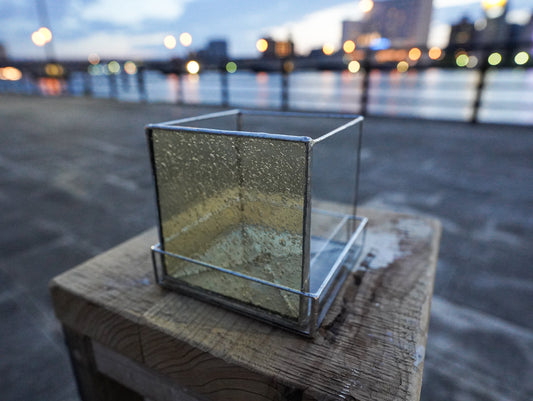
[(136, 29)]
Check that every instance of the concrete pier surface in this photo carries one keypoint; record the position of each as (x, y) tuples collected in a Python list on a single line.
[(75, 180)]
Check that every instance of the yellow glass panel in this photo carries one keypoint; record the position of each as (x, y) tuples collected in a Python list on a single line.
[(235, 202)]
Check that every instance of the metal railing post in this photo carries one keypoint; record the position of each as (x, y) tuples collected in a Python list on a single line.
[(284, 86), (87, 84), (141, 86), (180, 99), (113, 89), (365, 84), (483, 67), (224, 88)]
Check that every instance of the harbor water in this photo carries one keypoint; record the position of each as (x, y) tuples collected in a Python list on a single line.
[(435, 93)]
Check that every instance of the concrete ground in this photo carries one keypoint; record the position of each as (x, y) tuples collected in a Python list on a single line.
[(75, 180)]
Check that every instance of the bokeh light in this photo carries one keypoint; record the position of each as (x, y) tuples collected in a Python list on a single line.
[(38, 39), (402, 66), (185, 39), (113, 67), (390, 55), (53, 70), (348, 46), (283, 49), (96, 69), (494, 8), (231, 67), (354, 66), (193, 67), (493, 3), (472, 62), (130, 68), (10, 74), (93, 58), (480, 24), (366, 5), (261, 45), (495, 58), (51, 86), (521, 58), (46, 34), (169, 42), (435, 53), (461, 60), (288, 66), (328, 49), (415, 53), (41, 37)]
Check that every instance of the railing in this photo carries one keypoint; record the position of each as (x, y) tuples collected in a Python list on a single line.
[(434, 89)]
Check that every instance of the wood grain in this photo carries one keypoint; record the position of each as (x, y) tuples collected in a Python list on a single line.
[(93, 385), (105, 297), (370, 346)]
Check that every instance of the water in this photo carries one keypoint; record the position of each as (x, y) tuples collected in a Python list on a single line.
[(433, 93)]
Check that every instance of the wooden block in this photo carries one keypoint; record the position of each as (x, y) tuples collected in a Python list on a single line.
[(135, 375), (93, 385), (370, 346), (105, 297)]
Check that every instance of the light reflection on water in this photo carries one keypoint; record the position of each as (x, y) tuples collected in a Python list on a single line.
[(432, 93)]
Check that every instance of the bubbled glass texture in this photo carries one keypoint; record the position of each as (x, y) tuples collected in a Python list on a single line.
[(236, 202)]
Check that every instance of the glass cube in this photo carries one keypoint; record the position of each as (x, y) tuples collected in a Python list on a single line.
[(243, 222)]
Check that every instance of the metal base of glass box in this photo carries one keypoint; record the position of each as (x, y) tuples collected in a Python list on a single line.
[(301, 311)]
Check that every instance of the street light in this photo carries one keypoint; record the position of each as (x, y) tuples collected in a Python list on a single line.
[(328, 49), (354, 66), (348, 46), (261, 45), (521, 58), (193, 67), (231, 67), (41, 36), (366, 5), (169, 42), (46, 33), (130, 68), (415, 53), (185, 39), (494, 8), (435, 53)]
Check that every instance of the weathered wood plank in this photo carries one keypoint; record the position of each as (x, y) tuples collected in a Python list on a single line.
[(370, 346), (93, 385), (105, 297), (136, 376)]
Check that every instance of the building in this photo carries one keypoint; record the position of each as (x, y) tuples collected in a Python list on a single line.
[(491, 32), (462, 33), (269, 52), (216, 52), (524, 34), (495, 31), (3, 53), (395, 23)]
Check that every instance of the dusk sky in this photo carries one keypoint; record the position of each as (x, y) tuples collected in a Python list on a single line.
[(136, 28)]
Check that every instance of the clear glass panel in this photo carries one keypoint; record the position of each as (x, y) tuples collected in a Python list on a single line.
[(334, 200), (236, 202), (343, 261), (327, 242)]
